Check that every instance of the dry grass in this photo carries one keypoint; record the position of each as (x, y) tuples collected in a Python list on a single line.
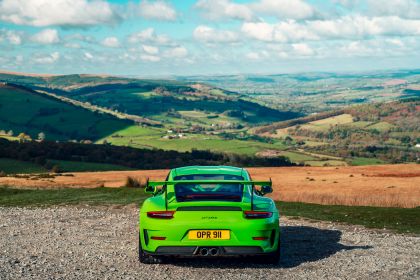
[(379, 185)]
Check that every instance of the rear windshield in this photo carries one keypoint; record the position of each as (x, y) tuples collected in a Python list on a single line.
[(208, 192)]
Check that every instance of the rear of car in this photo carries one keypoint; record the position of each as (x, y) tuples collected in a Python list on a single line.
[(208, 212)]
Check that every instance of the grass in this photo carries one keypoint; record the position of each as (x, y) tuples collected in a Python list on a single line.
[(325, 163), (297, 157), (48, 197), (398, 219), (325, 124), (381, 126), (78, 166), (142, 137), (365, 161), (12, 166), (33, 113)]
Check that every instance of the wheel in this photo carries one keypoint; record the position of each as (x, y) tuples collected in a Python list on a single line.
[(147, 258)]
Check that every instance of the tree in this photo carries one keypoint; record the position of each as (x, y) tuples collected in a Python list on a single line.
[(24, 137), (41, 136)]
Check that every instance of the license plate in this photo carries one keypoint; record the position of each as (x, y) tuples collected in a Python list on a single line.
[(209, 234)]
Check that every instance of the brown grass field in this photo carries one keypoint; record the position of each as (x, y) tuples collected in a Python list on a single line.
[(379, 185)]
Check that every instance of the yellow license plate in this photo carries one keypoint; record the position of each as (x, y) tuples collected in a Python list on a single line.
[(209, 234)]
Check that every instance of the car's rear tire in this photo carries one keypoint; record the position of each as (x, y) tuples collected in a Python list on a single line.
[(149, 259)]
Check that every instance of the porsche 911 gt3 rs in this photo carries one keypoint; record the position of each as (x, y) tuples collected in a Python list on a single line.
[(208, 211)]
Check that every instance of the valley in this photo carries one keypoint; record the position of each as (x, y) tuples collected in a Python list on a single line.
[(297, 116)]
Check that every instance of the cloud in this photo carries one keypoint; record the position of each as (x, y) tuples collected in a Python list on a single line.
[(149, 35), (68, 13), (257, 55), (149, 58), (177, 52), (47, 59), (110, 42), (284, 9), (302, 49), (159, 10), (348, 27), (46, 36), (403, 8), (12, 36), (210, 35), (150, 49), (224, 9)]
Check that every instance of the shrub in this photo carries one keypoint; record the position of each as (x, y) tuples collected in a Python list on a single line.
[(132, 182)]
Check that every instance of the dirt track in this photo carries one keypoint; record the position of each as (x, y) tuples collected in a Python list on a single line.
[(101, 243), (381, 185)]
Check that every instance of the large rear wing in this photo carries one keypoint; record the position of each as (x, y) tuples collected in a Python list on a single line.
[(164, 183), (266, 186)]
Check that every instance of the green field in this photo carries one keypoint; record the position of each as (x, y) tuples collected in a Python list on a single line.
[(79, 166), (12, 166), (297, 157), (365, 161), (143, 137), (95, 196), (32, 113), (397, 219), (325, 124)]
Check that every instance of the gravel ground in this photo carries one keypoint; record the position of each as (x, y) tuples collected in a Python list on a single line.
[(101, 243)]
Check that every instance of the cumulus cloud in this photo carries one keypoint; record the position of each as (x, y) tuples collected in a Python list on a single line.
[(177, 52), (69, 13), (11, 36), (110, 42), (150, 49), (149, 58), (302, 49), (284, 9), (149, 35), (159, 10), (224, 9), (46, 36), (47, 59), (348, 27), (210, 35), (402, 8)]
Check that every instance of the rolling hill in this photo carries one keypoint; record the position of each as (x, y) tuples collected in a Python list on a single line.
[(174, 103), (23, 110), (362, 134)]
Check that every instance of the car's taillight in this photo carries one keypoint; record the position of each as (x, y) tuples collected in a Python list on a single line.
[(257, 214), (259, 238), (161, 214), (158, 237)]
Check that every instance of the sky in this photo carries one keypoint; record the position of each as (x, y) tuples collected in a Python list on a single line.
[(208, 37)]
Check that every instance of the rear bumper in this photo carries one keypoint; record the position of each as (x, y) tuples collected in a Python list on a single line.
[(207, 251)]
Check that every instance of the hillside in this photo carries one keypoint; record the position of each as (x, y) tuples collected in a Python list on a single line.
[(179, 116), (23, 110), (319, 92), (370, 133), (175, 103)]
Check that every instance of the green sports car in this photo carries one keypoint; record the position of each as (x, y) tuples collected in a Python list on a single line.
[(208, 211)]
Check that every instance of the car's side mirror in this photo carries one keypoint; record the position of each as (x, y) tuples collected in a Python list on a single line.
[(266, 189), (150, 189)]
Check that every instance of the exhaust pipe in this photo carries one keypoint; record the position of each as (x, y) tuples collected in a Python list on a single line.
[(213, 251), (204, 251)]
